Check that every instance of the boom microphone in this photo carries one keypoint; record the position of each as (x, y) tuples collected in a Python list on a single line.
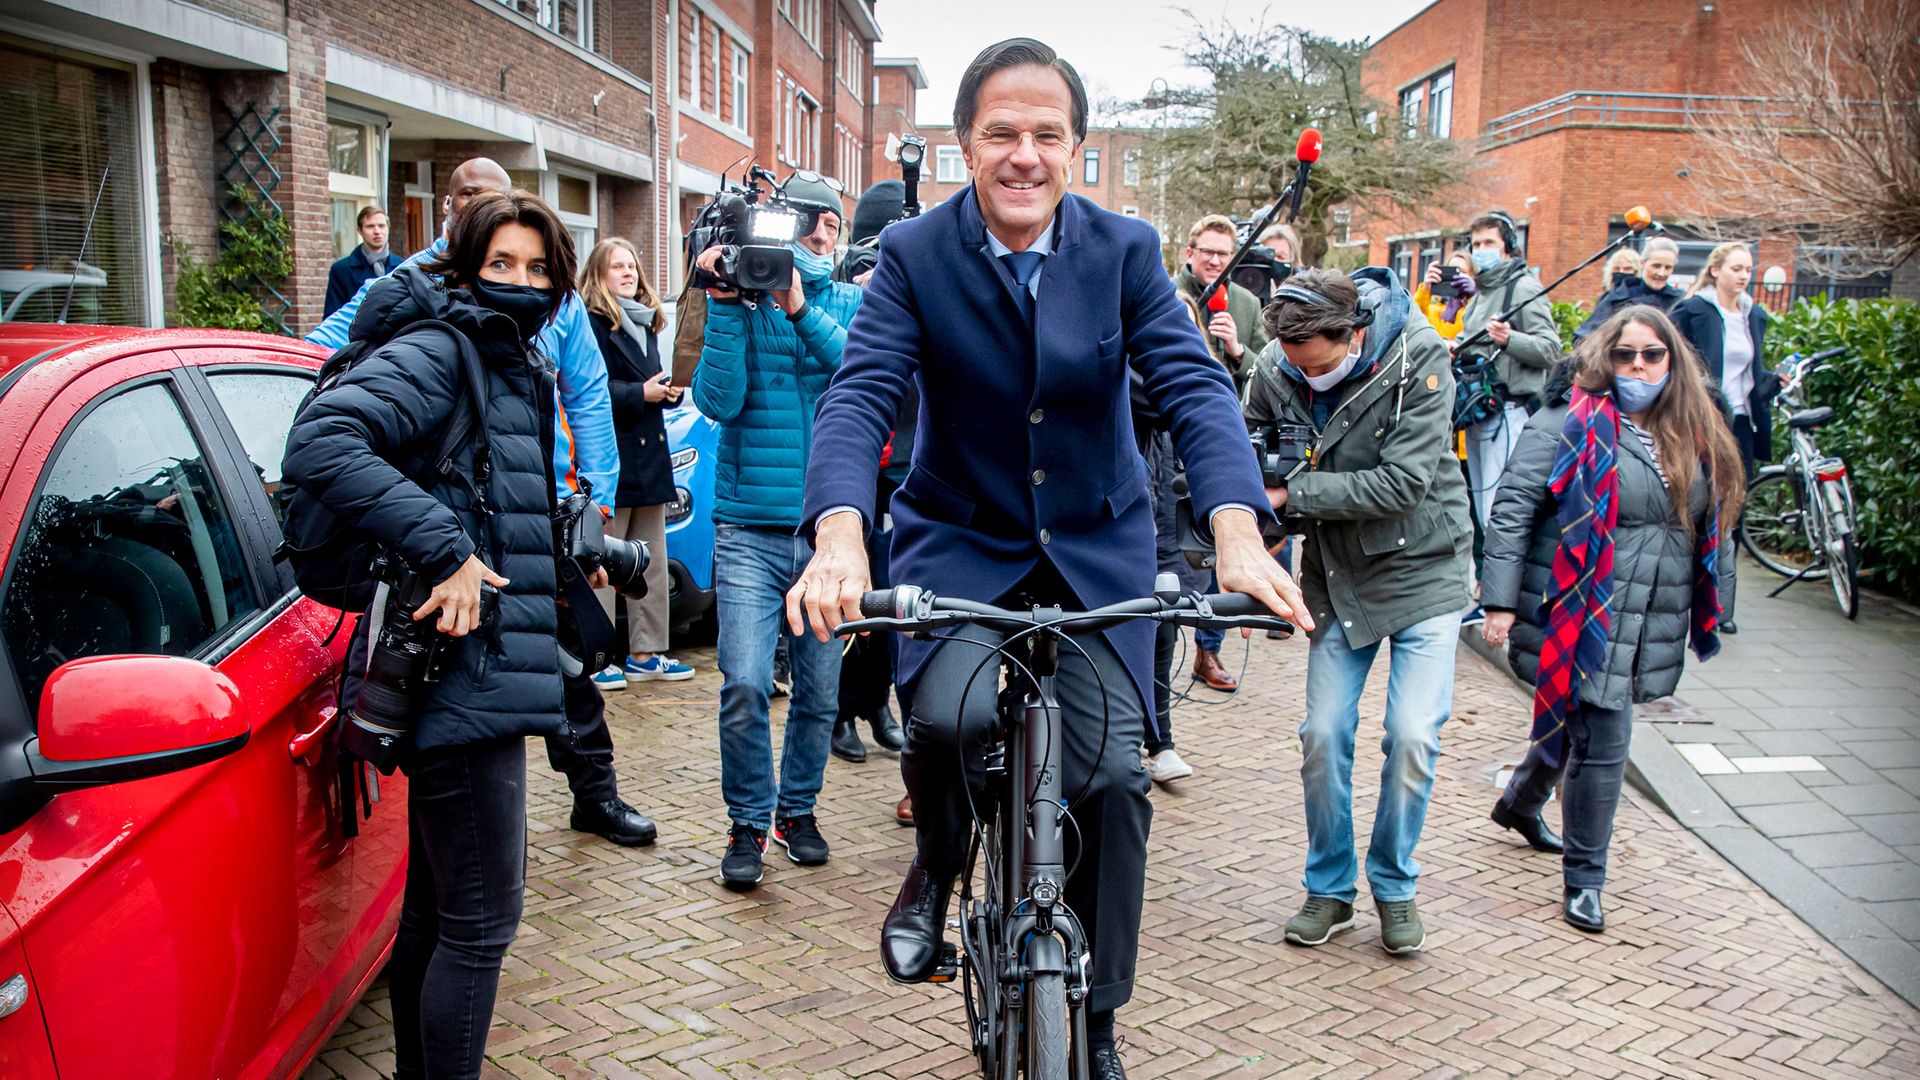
[(1305, 153)]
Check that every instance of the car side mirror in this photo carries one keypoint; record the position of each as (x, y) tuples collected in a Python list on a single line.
[(109, 719)]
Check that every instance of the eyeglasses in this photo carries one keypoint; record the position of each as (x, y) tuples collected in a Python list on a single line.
[(1622, 356), (1212, 253), (813, 177)]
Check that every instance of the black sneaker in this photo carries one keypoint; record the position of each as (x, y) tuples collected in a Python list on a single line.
[(744, 863), (801, 837)]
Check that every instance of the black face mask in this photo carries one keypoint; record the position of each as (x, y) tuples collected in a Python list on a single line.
[(527, 306)]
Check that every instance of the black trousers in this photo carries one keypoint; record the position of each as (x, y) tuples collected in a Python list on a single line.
[(1593, 762), (466, 869), (866, 671), (1166, 642), (1113, 817), (584, 751)]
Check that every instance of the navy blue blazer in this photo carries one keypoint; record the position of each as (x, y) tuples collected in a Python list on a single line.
[(1025, 447), (1699, 320)]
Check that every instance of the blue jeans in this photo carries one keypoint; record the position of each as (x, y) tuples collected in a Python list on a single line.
[(753, 569), (1419, 699)]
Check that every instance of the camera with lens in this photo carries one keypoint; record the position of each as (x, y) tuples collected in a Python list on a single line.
[(1260, 271), (754, 237), (580, 534), (404, 659), (1282, 449)]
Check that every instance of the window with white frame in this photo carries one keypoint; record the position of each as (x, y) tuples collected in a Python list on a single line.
[(355, 165), (949, 165), (692, 59), (1130, 167), (719, 57), (807, 135), (571, 19), (574, 196), (740, 88), (1410, 100), (848, 155), (784, 144), (805, 17), (852, 62), (1440, 105), (1092, 158)]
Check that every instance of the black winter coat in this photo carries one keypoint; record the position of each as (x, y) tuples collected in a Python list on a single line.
[(357, 447), (1699, 320), (1653, 558), (1633, 291), (639, 425)]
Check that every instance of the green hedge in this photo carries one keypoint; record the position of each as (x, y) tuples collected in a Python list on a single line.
[(1875, 394)]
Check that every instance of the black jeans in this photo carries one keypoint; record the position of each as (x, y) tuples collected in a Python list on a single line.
[(466, 868), (1729, 584), (866, 672), (1113, 817), (1593, 764), (584, 751), (1166, 642)]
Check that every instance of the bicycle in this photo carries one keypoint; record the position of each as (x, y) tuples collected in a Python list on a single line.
[(1023, 957), (1799, 520)]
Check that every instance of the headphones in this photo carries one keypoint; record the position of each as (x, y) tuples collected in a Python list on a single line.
[(1509, 232), (1363, 315)]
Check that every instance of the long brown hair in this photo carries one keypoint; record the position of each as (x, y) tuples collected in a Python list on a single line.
[(472, 234), (1685, 421), (598, 294), (1716, 259)]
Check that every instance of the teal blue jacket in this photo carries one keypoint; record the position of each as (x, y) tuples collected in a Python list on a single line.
[(760, 374)]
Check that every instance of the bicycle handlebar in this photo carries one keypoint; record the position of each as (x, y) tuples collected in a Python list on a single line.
[(909, 609)]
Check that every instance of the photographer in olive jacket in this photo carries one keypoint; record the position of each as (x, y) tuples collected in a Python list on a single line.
[(1388, 555), (362, 448)]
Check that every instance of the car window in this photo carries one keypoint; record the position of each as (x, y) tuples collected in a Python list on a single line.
[(261, 407), (128, 549)]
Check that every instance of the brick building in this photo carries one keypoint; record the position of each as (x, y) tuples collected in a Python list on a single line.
[(1571, 112), (320, 107)]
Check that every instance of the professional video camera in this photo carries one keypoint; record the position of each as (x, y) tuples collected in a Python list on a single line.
[(1283, 450), (1260, 271), (579, 533), (754, 237), (404, 658)]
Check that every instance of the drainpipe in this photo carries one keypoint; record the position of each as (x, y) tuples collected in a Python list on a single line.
[(671, 152)]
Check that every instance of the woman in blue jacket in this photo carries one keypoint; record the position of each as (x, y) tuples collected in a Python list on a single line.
[(358, 448)]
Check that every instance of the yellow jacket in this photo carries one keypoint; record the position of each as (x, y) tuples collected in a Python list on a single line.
[(1433, 305)]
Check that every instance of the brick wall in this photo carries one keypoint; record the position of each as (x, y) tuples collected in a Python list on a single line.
[(183, 136)]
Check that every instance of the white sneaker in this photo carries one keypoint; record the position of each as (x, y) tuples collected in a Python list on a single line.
[(1167, 765)]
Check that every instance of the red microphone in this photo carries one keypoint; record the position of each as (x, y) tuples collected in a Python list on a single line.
[(1308, 148), (1217, 302), (1305, 152)]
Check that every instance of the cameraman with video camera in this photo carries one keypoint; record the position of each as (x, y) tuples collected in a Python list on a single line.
[(766, 361), (1520, 352), (1376, 490), (467, 541)]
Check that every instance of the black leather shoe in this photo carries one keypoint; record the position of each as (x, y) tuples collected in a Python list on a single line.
[(846, 742), (1105, 1064), (886, 730), (910, 938), (1583, 910), (1727, 627), (1533, 830), (614, 820)]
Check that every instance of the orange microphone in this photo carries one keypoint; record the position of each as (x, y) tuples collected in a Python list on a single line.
[(1638, 218)]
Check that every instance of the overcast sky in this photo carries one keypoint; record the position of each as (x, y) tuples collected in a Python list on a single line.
[(1118, 46)]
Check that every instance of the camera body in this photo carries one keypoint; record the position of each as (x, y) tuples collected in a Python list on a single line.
[(580, 534), (754, 237), (1282, 449), (404, 659)]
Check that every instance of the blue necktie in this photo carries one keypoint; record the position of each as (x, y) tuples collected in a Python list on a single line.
[(1022, 264)]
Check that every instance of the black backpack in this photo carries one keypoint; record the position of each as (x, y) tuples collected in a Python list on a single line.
[(333, 562)]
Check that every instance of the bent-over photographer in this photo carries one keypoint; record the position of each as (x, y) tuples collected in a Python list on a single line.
[(1387, 556), (365, 449)]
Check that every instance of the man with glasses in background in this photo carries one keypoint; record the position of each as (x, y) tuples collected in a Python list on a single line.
[(1235, 335)]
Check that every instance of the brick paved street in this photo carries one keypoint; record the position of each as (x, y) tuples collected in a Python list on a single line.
[(639, 964)]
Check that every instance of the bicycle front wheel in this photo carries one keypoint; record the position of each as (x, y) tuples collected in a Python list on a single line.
[(1047, 1027), (1772, 528)]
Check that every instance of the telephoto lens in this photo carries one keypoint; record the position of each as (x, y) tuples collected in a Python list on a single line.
[(404, 658), (626, 564)]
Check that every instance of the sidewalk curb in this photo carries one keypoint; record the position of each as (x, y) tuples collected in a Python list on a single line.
[(1657, 770)]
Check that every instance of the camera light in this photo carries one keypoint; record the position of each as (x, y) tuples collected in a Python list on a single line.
[(775, 225)]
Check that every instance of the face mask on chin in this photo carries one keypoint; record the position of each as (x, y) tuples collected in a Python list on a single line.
[(527, 306), (1333, 378), (812, 267)]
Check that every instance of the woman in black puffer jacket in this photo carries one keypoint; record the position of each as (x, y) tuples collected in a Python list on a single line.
[(1636, 384), (358, 449)]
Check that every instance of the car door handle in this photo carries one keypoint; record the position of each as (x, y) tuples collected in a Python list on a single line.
[(305, 746)]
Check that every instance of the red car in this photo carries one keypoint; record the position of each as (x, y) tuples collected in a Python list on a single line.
[(179, 892)]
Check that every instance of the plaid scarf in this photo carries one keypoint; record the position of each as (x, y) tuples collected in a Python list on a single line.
[(1577, 607)]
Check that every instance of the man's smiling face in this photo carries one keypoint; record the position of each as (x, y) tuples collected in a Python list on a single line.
[(1021, 150)]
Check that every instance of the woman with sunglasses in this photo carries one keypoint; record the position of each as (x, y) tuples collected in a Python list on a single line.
[(1631, 471)]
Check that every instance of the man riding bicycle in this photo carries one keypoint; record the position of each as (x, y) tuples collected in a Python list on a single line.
[(1018, 311)]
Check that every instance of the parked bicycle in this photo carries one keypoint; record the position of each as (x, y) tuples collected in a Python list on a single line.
[(1024, 957), (1799, 520)]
